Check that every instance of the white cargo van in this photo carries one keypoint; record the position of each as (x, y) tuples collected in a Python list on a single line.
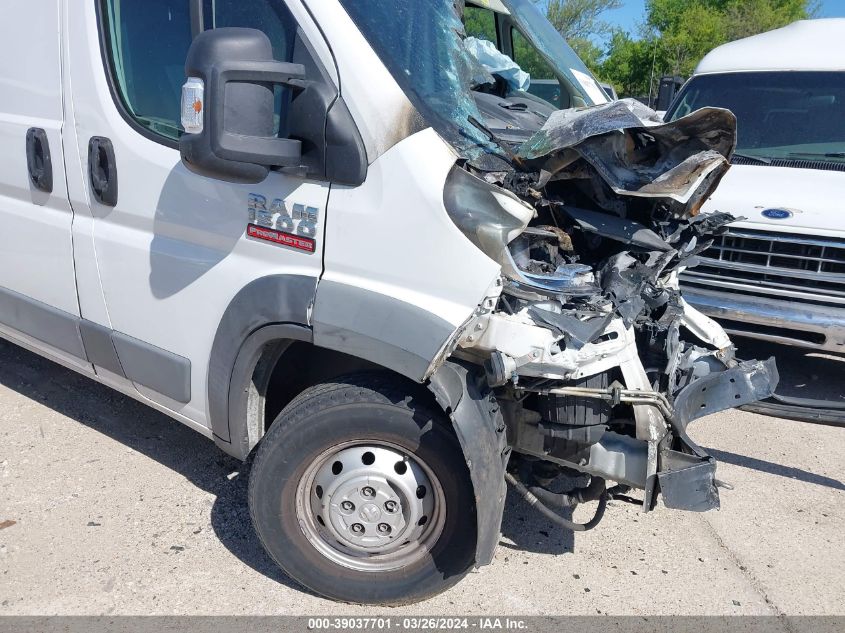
[(779, 274), (324, 235)]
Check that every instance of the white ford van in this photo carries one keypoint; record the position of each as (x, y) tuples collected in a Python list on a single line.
[(779, 274), (324, 235)]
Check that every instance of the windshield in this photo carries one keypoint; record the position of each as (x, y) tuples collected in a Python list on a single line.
[(780, 116), (421, 44)]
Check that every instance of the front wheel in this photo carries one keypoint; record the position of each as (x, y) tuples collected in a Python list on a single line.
[(360, 492)]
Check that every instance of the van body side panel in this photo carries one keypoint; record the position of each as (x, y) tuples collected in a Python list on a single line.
[(89, 290), (400, 277), (36, 250)]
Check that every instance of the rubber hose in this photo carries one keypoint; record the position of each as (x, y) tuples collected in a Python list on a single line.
[(570, 499), (554, 517)]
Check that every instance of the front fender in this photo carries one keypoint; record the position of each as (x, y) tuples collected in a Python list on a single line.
[(463, 394)]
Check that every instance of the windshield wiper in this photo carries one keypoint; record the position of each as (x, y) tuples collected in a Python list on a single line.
[(507, 155), (822, 154), (758, 159)]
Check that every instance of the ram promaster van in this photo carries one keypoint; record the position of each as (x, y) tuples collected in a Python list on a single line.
[(778, 274), (336, 239)]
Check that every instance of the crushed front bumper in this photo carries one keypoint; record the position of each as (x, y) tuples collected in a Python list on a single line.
[(686, 474)]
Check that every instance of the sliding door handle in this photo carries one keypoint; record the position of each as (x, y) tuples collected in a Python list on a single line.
[(102, 170), (38, 160)]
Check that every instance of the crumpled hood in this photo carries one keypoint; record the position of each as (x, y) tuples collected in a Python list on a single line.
[(635, 152)]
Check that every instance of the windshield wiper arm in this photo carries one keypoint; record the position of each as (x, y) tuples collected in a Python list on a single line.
[(509, 156), (824, 154), (759, 159)]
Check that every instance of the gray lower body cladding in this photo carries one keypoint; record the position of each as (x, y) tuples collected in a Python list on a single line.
[(378, 328), (143, 363)]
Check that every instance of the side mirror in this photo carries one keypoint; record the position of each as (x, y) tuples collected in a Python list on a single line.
[(228, 106)]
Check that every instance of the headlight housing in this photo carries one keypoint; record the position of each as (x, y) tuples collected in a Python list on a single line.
[(492, 218)]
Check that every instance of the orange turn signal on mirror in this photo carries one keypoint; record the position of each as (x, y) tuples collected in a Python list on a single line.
[(193, 95)]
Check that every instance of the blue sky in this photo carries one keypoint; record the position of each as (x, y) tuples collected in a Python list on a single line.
[(631, 14)]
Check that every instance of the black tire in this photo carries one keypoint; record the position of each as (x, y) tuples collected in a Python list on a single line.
[(360, 407)]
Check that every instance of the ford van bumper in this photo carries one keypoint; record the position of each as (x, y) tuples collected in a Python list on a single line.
[(802, 324)]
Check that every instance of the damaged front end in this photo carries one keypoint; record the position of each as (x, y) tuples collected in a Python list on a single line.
[(597, 362)]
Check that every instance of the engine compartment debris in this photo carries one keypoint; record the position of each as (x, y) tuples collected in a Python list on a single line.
[(598, 360), (590, 209)]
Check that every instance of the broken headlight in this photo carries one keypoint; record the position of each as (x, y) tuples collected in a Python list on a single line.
[(488, 215), (493, 218)]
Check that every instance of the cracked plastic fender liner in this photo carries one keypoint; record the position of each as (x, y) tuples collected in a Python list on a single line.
[(461, 392)]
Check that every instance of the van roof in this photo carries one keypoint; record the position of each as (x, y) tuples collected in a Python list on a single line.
[(802, 45)]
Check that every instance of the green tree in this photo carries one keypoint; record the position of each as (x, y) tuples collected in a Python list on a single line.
[(628, 64), (697, 30), (589, 53), (480, 23), (581, 22), (676, 34), (579, 19), (749, 17)]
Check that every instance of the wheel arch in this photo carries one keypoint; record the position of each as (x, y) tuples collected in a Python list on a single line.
[(273, 365), (283, 310), (279, 301), (265, 331)]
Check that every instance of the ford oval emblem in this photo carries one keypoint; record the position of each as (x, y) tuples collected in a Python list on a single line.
[(776, 214)]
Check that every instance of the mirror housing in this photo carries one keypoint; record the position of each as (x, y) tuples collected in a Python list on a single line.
[(234, 108)]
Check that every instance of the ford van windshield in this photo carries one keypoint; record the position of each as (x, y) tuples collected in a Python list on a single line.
[(787, 118)]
